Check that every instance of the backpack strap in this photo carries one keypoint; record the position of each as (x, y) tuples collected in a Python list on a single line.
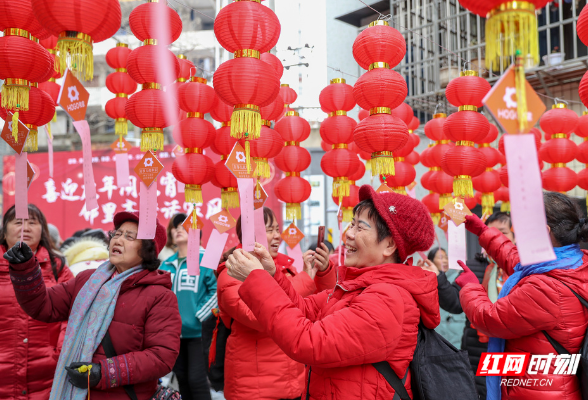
[(384, 368), (111, 353), (556, 345)]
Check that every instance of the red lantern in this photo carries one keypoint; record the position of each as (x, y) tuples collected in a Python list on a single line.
[(220, 111), (288, 94), (194, 170), (502, 195), (121, 84), (78, 24), (557, 124), (486, 184), (293, 190), (465, 127), (293, 128), (41, 111), (269, 145), (338, 96), (274, 62), (405, 174), (348, 202), (363, 114), (223, 145), (379, 48), (293, 158), (442, 183), (339, 164), (146, 109), (247, 29)]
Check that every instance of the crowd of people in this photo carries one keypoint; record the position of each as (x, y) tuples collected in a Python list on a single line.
[(107, 315)]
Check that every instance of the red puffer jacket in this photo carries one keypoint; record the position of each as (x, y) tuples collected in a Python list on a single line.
[(538, 302), (145, 328), (372, 315), (255, 367), (29, 349)]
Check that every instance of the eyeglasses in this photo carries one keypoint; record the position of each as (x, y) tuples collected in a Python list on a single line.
[(117, 234)]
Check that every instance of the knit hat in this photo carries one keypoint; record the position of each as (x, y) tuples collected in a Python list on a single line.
[(160, 232), (408, 220)]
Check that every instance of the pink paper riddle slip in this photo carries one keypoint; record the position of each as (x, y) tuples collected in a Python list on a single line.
[(214, 249), (20, 186), (89, 185), (181, 187), (147, 211), (122, 169), (260, 235), (49, 151), (193, 259), (296, 255), (456, 244), (526, 200), (247, 217)]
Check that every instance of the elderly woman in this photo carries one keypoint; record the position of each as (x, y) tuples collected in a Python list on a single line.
[(127, 303), (29, 349), (372, 315)]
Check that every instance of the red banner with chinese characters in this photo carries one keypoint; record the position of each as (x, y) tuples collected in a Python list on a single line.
[(61, 198)]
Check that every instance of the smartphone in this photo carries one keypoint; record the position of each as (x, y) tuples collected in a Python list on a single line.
[(321, 236)]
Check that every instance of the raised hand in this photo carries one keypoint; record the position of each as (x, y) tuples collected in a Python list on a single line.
[(19, 253)]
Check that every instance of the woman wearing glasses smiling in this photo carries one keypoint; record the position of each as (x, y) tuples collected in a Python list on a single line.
[(126, 299)]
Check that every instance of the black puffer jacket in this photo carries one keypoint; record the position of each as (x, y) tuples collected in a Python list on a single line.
[(449, 301)]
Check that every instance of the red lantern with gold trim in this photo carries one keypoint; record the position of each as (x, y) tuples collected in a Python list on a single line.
[(121, 84)]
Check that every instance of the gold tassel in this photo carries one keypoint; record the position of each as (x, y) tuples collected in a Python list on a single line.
[(399, 190), (508, 31), (151, 140), (194, 218), (368, 165), (347, 214), (341, 187), (293, 211), (79, 54), (488, 203), (245, 120), (383, 165), (31, 143), (14, 96), (229, 199), (505, 207), (462, 186), (15, 126), (193, 194), (121, 127), (436, 217), (248, 156), (263, 168), (55, 117), (444, 199)]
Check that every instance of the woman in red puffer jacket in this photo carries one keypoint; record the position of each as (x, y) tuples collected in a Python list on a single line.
[(29, 349), (255, 367), (372, 314), (536, 300)]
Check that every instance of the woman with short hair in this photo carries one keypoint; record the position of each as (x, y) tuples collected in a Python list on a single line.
[(127, 302), (29, 349)]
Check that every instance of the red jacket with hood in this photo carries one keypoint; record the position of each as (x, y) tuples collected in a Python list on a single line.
[(372, 315), (29, 349), (145, 329), (255, 367), (538, 302)]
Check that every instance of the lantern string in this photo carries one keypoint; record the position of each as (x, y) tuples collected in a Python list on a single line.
[(342, 72), (192, 8)]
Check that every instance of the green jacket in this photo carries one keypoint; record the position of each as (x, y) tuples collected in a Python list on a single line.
[(196, 294)]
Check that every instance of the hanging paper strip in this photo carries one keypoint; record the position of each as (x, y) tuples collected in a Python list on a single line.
[(456, 244), (214, 249), (147, 211), (89, 185), (49, 150), (193, 259), (122, 169), (20, 186), (411, 192), (181, 187), (296, 255), (245, 186), (260, 235), (526, 200)]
